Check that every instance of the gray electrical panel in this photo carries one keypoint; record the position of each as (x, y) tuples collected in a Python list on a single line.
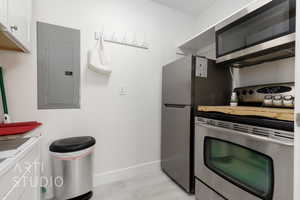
[(58, 67)]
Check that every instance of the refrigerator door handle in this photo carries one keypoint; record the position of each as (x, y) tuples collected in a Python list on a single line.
[(175, 105)]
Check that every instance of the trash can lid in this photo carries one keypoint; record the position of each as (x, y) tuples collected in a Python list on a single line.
[(72, 144)]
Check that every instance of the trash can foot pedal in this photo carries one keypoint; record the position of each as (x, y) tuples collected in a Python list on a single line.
[(86, 196)]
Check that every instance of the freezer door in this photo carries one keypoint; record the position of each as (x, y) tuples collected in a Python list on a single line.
[(177, 81), (176, 144)]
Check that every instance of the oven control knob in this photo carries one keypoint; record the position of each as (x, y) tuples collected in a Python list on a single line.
[(288, 101), (244, 92), (268, 100), (251, 92), (277, 101)]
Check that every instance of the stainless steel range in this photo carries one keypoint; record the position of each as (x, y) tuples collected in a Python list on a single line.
[(242, 157)]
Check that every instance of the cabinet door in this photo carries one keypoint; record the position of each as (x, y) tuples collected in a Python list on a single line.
[(3, 13), (32, 187), (19, 20)]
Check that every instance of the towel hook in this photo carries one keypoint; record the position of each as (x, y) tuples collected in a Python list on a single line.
[(102, 32), (97, 36)]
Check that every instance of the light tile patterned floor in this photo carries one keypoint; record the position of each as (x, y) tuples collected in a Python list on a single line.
[(154, 186)]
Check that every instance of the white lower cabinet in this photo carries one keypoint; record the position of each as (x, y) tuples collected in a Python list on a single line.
[(23, 179), (32, 186)]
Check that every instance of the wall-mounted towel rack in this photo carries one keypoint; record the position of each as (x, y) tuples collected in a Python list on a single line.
[(125, 41)]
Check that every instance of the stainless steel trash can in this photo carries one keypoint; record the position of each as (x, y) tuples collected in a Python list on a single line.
[(72, 167)]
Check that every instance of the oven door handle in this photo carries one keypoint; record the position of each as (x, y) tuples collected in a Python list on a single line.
[(251, 136), (298, 119)]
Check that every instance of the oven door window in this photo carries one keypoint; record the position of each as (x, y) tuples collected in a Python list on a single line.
[(246, 168)]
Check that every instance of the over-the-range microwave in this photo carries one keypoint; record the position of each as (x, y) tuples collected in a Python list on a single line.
[(263, 31)]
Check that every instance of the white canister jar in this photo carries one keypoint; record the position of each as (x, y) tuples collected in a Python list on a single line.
[(234, 99)]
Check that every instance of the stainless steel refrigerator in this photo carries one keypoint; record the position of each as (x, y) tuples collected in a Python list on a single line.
[(187, 83)]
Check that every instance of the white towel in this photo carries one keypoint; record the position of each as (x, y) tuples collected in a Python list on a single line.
[(98, 60)]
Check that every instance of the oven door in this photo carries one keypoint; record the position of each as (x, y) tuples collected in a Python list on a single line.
[(239, 166)]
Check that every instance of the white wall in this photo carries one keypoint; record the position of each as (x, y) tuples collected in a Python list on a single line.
[(127, 128), (280, 71)]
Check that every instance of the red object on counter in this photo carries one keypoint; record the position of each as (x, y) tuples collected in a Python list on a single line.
[(18, 128)]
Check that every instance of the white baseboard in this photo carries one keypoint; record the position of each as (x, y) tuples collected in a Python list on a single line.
[(126, 173)]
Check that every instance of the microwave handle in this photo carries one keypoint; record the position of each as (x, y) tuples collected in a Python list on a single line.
[(251, 136)]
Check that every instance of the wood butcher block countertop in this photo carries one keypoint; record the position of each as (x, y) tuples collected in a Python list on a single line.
[(275, 113)]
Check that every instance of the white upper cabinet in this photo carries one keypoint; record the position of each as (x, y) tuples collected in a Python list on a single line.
[(3, 13), (15, 34), (19, 19)]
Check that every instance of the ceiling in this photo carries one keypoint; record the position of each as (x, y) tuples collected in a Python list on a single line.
[(193, 7)]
